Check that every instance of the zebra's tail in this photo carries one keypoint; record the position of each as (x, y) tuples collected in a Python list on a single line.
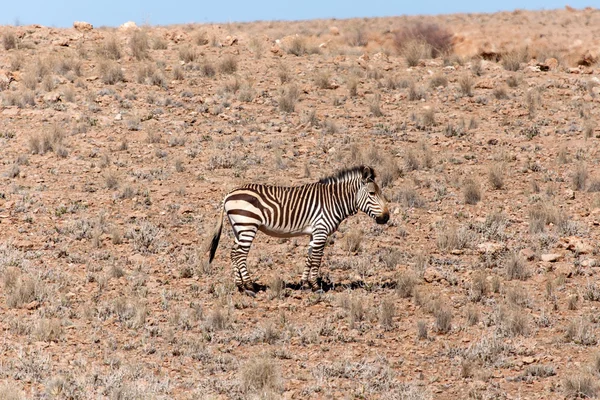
[(215, 240)]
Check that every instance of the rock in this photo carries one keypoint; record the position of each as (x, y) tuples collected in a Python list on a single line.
[(551, 257), (128, 25), (230, 41), (528, 360), (432, 275), (333, 30), (363, 60), (82, 26), (574, 70), (485, 84), (490, 247), (589, 263), (551, 63), (381, 57), (569, 194), (118, 117), (52, 97), (276, 50), (527, 254), (577, 245)]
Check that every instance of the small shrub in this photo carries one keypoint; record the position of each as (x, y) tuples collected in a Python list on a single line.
[(228, 65), (207, 69), (416, 50), (471, 191), (405, 284), (501, 93), (437, 38), (188, 54), (288, 96), (409, 197), (139, 43), (451, 238), (9, 40), (322, 80), (438, 80), (110, 48), (513, 81), (415, 93), (387, 312), (297, 46), (465, 84), (421, 330), (443, 319), (496, 176), (579, 177), (580, 385), (259, 375), (511, 61), (374, 105), (111, 73), (352, 241)]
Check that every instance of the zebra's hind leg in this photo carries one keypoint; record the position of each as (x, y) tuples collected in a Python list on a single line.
[(239, 255), (313, 262)]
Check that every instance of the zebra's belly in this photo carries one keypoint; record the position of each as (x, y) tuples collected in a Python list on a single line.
[(284, 233)]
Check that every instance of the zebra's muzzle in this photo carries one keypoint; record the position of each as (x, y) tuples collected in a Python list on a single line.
[(382, 219)]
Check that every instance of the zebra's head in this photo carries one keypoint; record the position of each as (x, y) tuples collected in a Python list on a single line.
[(369, 198)]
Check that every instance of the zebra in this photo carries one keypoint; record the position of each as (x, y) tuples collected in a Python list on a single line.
[(314, 209)]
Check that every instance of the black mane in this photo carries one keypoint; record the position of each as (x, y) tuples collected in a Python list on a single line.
[(349, 173)]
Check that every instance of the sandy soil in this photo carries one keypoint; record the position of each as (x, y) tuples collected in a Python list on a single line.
[(118, 146)]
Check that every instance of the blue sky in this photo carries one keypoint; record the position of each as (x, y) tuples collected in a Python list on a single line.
[(62, 13)]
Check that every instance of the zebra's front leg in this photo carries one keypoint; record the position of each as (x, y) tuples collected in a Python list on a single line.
[(313, 261), (239, 256)]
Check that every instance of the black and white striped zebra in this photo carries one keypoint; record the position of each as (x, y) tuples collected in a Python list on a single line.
[(315, 209)]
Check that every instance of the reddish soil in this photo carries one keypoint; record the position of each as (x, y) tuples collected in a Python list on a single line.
[(116, 158)]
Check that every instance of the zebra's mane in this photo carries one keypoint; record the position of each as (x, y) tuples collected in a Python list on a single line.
[(349, 173)]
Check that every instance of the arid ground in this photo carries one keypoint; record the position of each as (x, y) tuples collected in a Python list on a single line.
[(119, 144)]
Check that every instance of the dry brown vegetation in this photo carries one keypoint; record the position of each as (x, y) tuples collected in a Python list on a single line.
[(119, 145)]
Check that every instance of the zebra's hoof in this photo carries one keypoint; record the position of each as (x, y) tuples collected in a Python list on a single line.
[(250, 293)]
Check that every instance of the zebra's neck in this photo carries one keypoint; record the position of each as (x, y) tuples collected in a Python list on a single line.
[(345, 202)]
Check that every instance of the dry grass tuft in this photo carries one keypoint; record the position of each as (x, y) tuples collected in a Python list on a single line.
[(466, 84), (435, 37), (471, 191), (352, 241), (139, 44), (288, 96), (496, 176), (260, 375), (515, 267)]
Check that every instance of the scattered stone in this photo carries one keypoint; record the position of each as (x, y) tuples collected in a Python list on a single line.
[(490, 247), (82, 26), (527, 254), (230, 41), (128, 25), (589, 263), (334, 30), (569, 194), (551, 257), (52, 97), (432, 275)]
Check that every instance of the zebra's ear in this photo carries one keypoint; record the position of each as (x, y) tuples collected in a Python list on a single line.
[(368, 174)]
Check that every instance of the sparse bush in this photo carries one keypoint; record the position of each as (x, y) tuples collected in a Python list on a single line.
[(479, 287), (188, 54), (438, 80), (297, 46), (511, 61), (374, 105), (465, 84), (409, 197), (421, 330), (111, 73), (580, 177), (451, 238), (471, 191), (322, 80), (352, 241), (207, 69), (580, 385), (387, 312), (500, 93), (513, 81), (110, 48), (437, 38), (9, 40), (579, 331), (414, 93), (260, 375), (405, 284), (515, 267), (416, 50), (139, 43), (443, 319), (228, 65), (496, 176), (288, 96)]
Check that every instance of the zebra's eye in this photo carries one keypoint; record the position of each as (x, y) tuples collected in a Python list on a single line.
[(371, 193)]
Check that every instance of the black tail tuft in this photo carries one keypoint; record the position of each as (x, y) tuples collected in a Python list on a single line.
[(214, 244)]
